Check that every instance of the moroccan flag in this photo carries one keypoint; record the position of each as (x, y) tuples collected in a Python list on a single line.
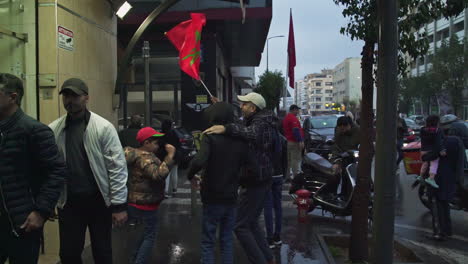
[(186, 37), (291, 52)]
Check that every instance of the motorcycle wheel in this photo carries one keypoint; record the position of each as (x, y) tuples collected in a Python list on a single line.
[(423, 196)]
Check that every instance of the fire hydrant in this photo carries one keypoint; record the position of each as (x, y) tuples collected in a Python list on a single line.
[(303, 202)]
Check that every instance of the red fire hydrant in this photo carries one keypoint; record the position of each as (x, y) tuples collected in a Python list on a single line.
[(303, 202)]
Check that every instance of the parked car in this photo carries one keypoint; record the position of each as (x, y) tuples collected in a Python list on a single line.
[(413, 125), (419, 119), (319, 132)]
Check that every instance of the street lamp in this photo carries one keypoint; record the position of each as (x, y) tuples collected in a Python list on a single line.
[(280, 36)]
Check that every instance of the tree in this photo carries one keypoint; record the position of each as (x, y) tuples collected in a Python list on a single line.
[(419, 88), (363, 25), (449, 69), (270, 86)]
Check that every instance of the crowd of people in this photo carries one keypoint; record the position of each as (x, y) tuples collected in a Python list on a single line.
[(78, 165)]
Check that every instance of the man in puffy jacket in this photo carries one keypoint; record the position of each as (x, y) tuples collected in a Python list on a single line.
[(258, 130), (32, 174), (95, 196)]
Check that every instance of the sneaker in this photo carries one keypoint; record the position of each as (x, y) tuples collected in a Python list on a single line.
[(271, 243), (432, 182), (277, 240), (419, 178), (174, 190)]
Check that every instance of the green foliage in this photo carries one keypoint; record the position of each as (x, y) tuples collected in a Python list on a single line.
[(448, 74), (449, 69), (270, 86)]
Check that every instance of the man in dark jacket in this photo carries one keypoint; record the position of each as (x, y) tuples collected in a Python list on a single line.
[(128, 136), (257, 129), (32, 174), (221, 157)]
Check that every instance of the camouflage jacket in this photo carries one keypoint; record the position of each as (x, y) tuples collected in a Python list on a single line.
[(146, 177)]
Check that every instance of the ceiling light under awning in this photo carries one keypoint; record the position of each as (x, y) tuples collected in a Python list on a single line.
[(123, 10)]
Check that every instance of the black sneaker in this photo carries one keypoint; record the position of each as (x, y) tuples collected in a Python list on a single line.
[(277, 240), (271, 243)]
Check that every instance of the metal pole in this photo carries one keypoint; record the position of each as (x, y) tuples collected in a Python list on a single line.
[(267, 54), (285, 91), (384, 215), (146, 55), (125, 105)]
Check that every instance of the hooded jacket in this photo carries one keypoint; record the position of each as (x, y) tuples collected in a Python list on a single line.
[(221, 158), (259, 131)]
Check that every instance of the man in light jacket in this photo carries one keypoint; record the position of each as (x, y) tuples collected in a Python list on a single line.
[(95, 196)]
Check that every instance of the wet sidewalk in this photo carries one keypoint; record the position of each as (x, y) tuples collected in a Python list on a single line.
[(179, 234)]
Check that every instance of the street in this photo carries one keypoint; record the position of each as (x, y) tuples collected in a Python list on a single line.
[(178, 239)]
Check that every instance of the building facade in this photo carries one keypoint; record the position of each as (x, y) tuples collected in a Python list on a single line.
[(347, 81), (437, 32), (230, 49), (301, 97), (320, 91)]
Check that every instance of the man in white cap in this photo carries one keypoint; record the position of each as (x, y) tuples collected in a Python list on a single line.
[(258, 128)]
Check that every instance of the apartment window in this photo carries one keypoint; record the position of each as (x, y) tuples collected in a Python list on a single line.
[(421, 61), (329, 99), (328, 84), (318, 107), (318, 84), (328, 91), (430, 38), (318, 91), (460, 26), (318, 99), (413, 65)]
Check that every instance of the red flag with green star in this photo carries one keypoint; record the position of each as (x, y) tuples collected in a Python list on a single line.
[(186, 37)]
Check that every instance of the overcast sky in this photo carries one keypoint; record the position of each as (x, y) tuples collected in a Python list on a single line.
[(319, 43)]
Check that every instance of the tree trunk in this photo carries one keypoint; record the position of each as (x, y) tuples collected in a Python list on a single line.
[(358, 246)]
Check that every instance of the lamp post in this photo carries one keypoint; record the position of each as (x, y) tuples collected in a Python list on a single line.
[(280, 36)]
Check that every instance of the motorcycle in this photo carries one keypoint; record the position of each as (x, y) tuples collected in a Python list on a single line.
[(316, 171)]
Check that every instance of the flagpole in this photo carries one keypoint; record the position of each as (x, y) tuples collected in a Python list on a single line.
[(206, 88)]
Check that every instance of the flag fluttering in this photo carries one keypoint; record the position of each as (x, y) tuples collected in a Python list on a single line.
[(291, 52), (186, 37)]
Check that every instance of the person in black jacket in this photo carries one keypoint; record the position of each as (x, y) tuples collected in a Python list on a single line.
[(32, 174), (257, 129), (221, 157), (128, 136)]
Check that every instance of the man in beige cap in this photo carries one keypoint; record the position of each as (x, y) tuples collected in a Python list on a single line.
[(259, 128)]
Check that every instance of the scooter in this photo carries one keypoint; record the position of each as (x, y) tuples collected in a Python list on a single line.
[(316, 171), (412, 161)]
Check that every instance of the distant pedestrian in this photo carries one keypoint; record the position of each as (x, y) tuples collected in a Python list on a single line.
[(432, 147), (128, 136), (95, 196), (221, 157), (295, 136), (146, 181), (257, 129), (273, 225), (32, 175)]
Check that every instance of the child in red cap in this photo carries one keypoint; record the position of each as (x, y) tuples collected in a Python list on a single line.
[(146, 184)]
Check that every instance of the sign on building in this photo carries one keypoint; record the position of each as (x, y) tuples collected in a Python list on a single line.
[(65, 38)]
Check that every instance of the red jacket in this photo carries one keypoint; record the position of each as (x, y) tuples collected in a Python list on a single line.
[(292, 128)]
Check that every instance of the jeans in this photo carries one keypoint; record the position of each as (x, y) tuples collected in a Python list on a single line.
[(441, 221), (18, 250), (146, 242), (273, 202), (223, 216), (294, 159), (248, 231), (74, 219)]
